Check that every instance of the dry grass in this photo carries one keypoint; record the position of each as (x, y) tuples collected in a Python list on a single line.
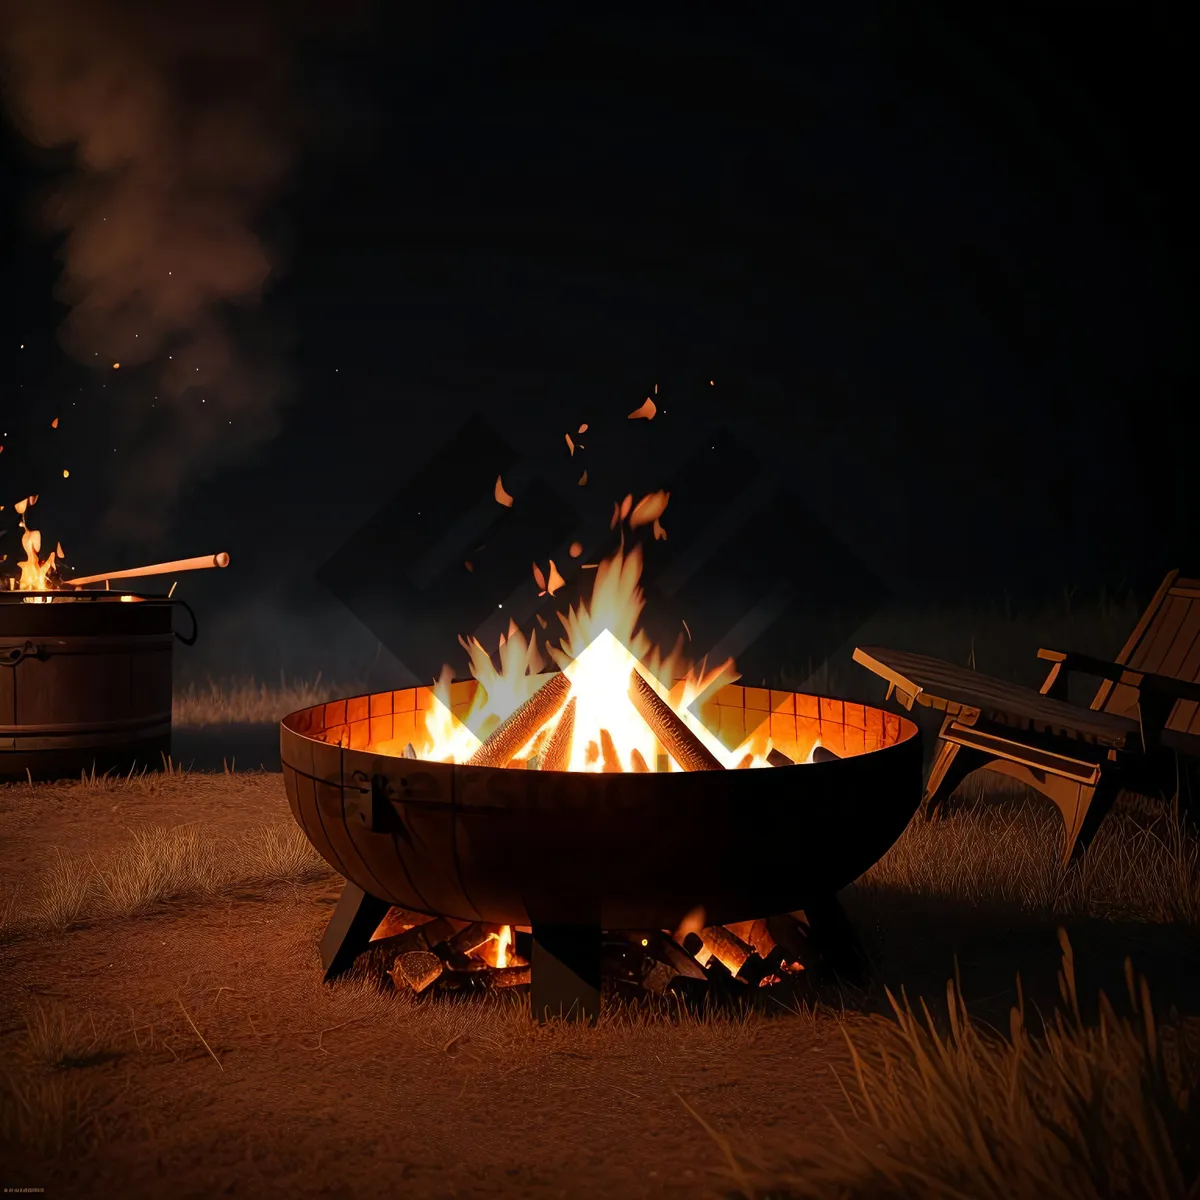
[(50, 1114), (250, 701), (1008, 855), (61, 1037), (1087, 1112), (163, 863)]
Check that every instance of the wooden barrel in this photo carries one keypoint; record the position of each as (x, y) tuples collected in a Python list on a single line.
[(84, 683)]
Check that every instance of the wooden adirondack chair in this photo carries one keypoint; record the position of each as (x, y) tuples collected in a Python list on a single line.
[(1145, 713)]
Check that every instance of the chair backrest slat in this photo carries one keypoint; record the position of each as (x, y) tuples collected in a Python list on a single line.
[(1127, 696), (1166, 641)]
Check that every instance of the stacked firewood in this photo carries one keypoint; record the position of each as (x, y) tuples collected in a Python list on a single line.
[(752, 954), (422, 955), (446, 955)]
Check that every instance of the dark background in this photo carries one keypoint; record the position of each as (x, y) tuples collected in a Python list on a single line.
[(939, 265)]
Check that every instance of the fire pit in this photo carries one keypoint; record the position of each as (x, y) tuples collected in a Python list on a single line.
[(628, 791), (568, 854)]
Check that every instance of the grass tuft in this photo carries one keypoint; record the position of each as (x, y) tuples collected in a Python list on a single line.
[(1086, 1112), (1008, 854), (50, 1114), (250, 701), (159, 864), (60, 1037)]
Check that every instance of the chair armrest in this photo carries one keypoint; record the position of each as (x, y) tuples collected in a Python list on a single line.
[(1143, 681)]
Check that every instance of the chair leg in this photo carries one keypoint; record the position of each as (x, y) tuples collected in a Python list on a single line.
[(951, 766), (837, 941), (1094, 804)]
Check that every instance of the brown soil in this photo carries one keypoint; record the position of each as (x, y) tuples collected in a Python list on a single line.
[(304, 1089), (338, 1090)]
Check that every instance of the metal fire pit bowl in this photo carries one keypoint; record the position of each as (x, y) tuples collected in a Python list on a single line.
[(85, 682), (580, 851)]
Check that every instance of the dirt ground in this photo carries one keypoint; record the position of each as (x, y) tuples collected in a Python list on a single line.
[(334, 1091), (218, 1063)]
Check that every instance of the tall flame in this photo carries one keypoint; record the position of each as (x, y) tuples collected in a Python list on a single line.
[(37, 574), (602, 642)]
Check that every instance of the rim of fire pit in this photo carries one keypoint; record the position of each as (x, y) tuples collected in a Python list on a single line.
[(620, 851)]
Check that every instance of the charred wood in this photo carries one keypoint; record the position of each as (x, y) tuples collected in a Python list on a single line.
[(727, 946), (417, 969), (470, 938), (666, 725), (507, 976), (557, 755), (668, 951), (791, 936), (519, 728)]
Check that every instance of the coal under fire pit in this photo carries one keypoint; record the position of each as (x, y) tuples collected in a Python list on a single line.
[(85, 681), (569, 854)]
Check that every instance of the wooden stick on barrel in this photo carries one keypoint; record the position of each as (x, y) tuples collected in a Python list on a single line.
[(519, 728), (168, 568), (676, 738), (557, 756)]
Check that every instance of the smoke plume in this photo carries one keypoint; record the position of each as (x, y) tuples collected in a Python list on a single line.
[(181, 124)]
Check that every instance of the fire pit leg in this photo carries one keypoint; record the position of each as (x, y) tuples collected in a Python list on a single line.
[(348, 933), (837, 940), (565, 972)]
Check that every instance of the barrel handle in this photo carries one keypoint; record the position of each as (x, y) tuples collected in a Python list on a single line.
[(10, 658), (190, 640)]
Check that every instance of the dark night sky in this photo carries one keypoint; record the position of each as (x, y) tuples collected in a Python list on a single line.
[(940, 267)]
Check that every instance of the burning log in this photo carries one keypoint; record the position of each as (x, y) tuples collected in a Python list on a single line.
[(791, 937), (558, 752), (521, 726), (507, 976), (777, 758), (824, 754), (672, 962), (659, 979), (757, 967), (469, 939), (421, 937), (417, 970), (717, 972), (485, 977), (759, 936), (676, 738), (460, 964), (199, 563), (726, 946), (410, 751)]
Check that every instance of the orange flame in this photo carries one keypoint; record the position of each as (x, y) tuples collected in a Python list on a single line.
[(37, 574)]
